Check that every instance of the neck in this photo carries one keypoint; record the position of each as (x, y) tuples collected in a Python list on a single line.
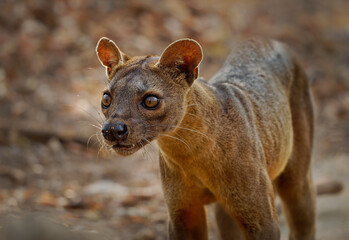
[(195, 132)]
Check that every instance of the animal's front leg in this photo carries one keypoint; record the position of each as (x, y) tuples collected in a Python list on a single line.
[(187, 223), (256, 221), (250, 201), (185, 205)]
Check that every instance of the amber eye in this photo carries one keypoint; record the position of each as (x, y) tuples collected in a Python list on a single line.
[(151, 102), (106, 100)]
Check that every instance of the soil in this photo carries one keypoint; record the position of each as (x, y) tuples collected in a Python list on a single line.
[(51, 160)]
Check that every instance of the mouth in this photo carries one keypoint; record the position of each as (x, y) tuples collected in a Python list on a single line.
[(132, 148)]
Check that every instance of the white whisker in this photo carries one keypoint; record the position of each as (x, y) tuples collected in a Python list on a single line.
[(189, 129), (88, 141), (177, 139), (98, 127)]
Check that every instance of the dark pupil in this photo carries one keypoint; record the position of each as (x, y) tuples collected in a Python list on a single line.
[(106, 99), (151, 101)]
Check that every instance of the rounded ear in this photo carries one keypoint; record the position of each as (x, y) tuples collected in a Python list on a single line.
[(184, 55), (109, 55)]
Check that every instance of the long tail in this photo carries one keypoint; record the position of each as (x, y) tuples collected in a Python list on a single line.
[(322, 188), (329, 187)]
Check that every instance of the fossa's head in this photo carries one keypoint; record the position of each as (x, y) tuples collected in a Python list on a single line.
[(146, 96)]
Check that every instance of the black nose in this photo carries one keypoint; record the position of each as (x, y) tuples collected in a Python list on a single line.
[(121, 130), (115, 131)]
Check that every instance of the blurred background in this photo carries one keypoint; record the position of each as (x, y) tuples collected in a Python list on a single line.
[(50, 91)]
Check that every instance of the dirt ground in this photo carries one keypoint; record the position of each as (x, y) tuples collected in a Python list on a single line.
[(50, 88)]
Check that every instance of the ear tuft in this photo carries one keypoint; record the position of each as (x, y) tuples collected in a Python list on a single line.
[(109, 54), (185, 55)]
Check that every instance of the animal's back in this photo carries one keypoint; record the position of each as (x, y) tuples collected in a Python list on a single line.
[(257, 76), (251, 60)]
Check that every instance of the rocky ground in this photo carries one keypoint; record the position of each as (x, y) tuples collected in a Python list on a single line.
[(50, 88)]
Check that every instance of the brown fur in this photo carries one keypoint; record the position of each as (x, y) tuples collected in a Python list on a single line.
[(233, 141)]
